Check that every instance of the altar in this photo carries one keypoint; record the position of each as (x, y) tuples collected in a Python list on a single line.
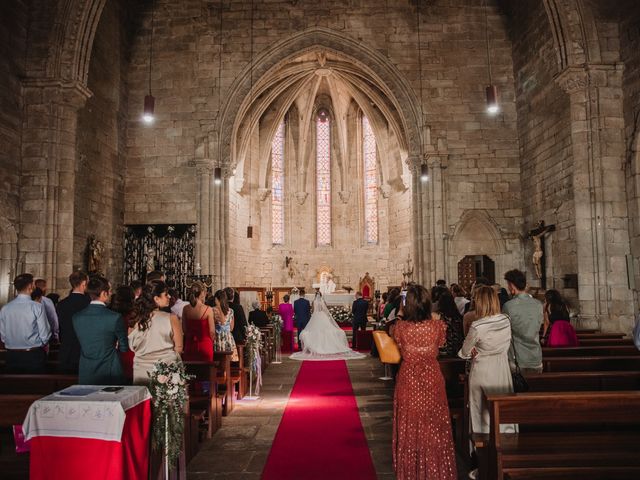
[(334, 299)]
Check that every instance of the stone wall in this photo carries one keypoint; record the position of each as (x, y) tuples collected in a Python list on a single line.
[(99, 180)]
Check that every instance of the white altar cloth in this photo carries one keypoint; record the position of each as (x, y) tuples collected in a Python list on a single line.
[(99, 415), (335, 299)]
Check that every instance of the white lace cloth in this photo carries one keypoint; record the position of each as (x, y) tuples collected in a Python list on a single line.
[(322, 338), (98, 415)]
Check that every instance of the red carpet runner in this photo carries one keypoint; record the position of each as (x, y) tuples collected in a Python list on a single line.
[(320, 434)]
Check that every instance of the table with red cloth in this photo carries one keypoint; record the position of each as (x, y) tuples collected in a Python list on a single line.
[(91, 434)]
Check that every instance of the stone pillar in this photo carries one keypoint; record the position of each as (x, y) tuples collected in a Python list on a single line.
[(418, 200), (602, 234), (204, 171), (48, 177), (436, 186)]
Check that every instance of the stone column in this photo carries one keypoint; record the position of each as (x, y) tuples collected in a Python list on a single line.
[(204, 171), (602, 235), (437, 165), (48, 177), (418, 200)]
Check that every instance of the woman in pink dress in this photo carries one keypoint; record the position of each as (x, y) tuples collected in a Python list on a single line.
[(286, 312), (556, 322), (422, 439)]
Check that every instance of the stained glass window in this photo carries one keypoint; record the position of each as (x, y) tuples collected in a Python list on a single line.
[(277, 186), (370, 183), (323, 178)]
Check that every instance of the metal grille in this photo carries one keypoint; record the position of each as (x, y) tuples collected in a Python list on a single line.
[(370, 183), (167, 248), (277, 186), (323, 179)]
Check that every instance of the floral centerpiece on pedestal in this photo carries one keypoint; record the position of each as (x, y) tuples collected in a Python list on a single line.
[(342, 315), (168, 387), (253, 343), (276, 322)]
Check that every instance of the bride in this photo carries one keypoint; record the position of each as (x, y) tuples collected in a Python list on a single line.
[(322, 338)]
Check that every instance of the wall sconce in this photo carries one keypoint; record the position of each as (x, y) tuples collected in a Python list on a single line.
[(424, 172), (250, 231), (217, 175), (492, 99)]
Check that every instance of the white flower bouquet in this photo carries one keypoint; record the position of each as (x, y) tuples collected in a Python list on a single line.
[(276, 322), (341, 314), (168, 388), (253, 343)]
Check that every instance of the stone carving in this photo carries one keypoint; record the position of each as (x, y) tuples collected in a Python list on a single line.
[(301, 197), (263, 193), (573, 80), (385, 191), (95, 250), (344, 196)]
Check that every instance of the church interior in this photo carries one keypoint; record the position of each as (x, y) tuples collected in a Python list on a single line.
[(287, 146)]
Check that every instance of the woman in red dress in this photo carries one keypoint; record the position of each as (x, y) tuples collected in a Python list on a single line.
[(199, 326), (422, 439)]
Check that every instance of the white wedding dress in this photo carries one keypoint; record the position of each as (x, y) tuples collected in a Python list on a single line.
[(322, 338)]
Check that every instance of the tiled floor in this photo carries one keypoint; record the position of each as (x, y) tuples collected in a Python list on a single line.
[(239, 449)]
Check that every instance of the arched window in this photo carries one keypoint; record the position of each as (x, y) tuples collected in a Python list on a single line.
[(323, 178), (277, 186), (370, 176)]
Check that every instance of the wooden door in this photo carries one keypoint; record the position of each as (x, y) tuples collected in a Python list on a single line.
[(467, 272)]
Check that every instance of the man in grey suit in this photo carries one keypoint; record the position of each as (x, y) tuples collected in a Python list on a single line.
[(101, 333), (302, 313)]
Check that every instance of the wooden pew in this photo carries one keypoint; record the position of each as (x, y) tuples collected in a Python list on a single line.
[(35, 384), (225, 380), (239, 373), (582, 364), (592, 342), (453, 369), (583, 381), (591, 351), (13, 410), (600, 335), (578, 447), (205, 372)]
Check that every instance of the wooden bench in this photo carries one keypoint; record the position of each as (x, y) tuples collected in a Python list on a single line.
[(13, 410), (599, 335), (586, 435), (198, 399), (591, 363), (239, 373), (452, 369), (591, 351), (225, 380), (35, 384), (583, 381), (587, 342)]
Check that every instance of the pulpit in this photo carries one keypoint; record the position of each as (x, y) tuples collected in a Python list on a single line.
[(367, 286)]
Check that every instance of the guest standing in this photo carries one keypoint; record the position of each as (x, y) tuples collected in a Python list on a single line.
[(199, 325), (383, 304), (525, 313), (359, 310), (24, 329), (556, 322), (422, 439), (285, 310), (239, 329), (223, 317), (487, 344), (156, 335), (50, 310), (257, 316), (122, 302), (460, 297), (302, 313), (450, 315), (101, 334), (177, 303), (76, 301)]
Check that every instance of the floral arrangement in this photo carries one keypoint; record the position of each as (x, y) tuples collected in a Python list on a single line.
[(168, 388), (252, 347), (341, 314), (276, 322)]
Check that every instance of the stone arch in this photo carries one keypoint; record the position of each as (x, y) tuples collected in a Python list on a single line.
[(8, 259), (368, 63), (72, 39)]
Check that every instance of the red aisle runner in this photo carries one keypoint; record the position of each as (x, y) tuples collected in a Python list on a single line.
[(320, 435)]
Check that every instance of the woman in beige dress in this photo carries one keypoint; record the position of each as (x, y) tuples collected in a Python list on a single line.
[(156, 335)]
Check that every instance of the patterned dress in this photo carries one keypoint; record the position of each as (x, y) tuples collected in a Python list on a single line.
[(422, 438), (224, 340)]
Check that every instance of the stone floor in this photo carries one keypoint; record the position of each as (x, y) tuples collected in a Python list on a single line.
[(239, 449)]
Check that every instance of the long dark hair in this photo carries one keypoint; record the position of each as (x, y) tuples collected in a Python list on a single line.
[(557, 308), (122, 300), (417, 305), (447, 306), (145, 305), (222, 298), (195, 291)]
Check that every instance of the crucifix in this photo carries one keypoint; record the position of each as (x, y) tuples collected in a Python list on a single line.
[(537, 235)]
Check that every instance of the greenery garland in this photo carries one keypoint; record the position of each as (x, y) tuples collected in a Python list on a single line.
[(168, 388)]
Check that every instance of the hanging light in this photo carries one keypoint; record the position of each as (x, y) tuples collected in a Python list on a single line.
[(217, 175), (149, 101), (424, 172), (250, 227), (493, 106), (249, 231)]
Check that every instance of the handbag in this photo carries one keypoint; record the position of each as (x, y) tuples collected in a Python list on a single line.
[(520, 384), (387, 347)]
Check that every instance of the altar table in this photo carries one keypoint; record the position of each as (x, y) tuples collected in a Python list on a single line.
[(335, 299), (96, 435)]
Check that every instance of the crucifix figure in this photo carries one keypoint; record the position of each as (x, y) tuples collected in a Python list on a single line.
[(537, 235)]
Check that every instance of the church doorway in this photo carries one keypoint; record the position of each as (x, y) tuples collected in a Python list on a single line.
[(471, 267)]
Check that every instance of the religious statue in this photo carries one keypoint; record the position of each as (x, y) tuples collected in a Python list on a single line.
[(326, 284), (94, 257), (150, 253), (537, 235)]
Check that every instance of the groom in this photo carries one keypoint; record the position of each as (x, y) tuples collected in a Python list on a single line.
[(302, 314)]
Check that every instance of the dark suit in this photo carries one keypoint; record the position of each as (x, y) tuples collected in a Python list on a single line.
[(239, 323), (359, 309), (98, 330), (302, 314), (259, 318), (69, 345)]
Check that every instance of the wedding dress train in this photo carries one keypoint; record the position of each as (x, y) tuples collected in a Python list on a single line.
[(322, 338)]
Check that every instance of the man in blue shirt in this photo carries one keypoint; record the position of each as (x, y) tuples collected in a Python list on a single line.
[(24, 329)]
